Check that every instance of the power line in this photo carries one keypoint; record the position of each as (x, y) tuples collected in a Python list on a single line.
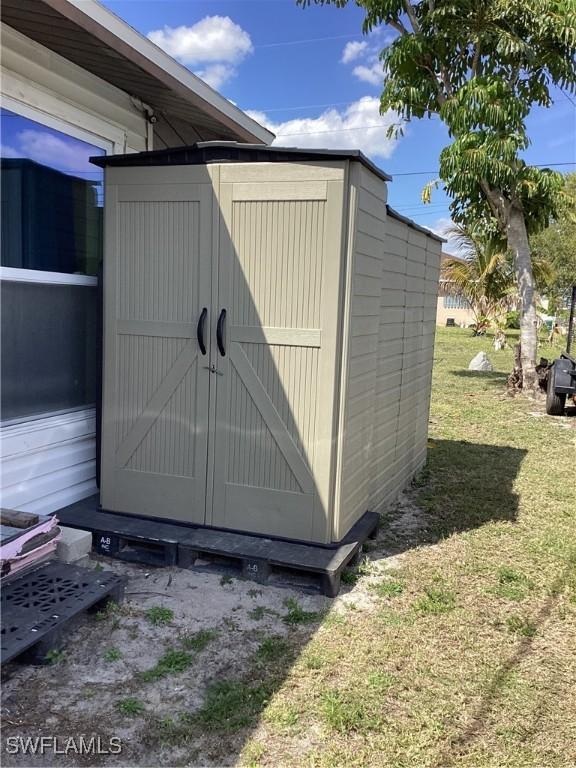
[(433, 173), (308, 40), (567, 97), (332, 130), (341, 103), (435, 208), (302, 106)]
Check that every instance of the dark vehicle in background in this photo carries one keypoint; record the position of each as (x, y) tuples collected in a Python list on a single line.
[(562, 373)]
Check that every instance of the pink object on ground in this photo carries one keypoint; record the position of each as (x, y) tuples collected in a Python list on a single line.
[(13, 547), (35, 555), (27, 547)]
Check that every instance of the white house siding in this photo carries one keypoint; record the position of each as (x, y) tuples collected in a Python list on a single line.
[(36, 77), (49, 462)]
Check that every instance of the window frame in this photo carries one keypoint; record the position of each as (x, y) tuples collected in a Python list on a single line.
[(455, 301), (14, 274)]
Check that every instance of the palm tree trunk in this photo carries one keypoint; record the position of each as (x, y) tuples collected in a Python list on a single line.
[(520, 247)]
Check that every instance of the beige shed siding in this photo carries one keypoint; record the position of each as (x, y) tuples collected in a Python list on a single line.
[(367, 221), (385, 465), (388, 363)]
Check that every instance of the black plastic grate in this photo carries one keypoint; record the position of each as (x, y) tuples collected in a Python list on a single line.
[(41, 602)]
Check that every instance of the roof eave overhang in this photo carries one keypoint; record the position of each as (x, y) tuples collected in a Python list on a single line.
[(111, 31)]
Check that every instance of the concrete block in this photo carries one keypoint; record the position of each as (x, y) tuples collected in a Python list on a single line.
[(73, 545)]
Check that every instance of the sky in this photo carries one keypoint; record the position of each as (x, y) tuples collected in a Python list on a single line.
[(312, 77)]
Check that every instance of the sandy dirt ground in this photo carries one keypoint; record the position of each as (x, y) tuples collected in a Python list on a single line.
[(103, 661)]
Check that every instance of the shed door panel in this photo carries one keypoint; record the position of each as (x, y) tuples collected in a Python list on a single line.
[(156, 387), (274, 250)]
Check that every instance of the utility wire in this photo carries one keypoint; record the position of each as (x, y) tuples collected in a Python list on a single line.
[(308, 40), (341, 104), (302, 106), (332, 130), (432, 173), (570, 99)]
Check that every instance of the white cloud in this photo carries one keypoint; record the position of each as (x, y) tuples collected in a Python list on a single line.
[(8, 151), (441, 227), (360, 126), (215, 41), (217, 74), (66, 154), (373, 73), (214, 38), (353, 50), (369, 69)]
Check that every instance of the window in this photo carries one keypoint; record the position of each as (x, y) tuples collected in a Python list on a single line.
[(456, 302), (51, 199), (51, 249)]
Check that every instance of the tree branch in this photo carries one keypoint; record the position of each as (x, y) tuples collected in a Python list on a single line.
[(446, 81), (398, 26), (476, 59), (497, 204), (411, 15)]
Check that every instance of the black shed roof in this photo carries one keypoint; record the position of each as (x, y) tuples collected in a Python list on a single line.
[(233, 152), (204, 152)]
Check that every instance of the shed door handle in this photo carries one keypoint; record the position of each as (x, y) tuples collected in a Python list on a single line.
[(200, 330), (219, 333)]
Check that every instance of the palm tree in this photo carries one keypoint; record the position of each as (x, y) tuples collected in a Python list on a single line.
[(484, 275)]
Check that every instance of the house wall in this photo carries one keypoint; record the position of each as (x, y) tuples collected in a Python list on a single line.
[(35, 77), (388, 363), (463, 317), (49, 461)]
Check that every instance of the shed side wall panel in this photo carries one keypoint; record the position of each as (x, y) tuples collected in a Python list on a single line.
[(405, 356), (367, 223), (387, 365)]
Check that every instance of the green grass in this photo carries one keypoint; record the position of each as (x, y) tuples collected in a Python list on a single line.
[(349, 576), (110, 611), (159, 615), (273, 648), (198, 641), (55, 656), (112, 654), (258, 613), (521, 625), (171, 663), (443, 671), (232, 704), (512, 584), (390, 588), (130, 707), (348, 712), (436, 600), (297, 615)]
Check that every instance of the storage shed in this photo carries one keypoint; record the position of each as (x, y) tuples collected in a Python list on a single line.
[(268, 339)]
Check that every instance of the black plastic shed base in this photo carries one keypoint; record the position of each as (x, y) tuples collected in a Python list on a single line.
[(265, 560), (41, 606)]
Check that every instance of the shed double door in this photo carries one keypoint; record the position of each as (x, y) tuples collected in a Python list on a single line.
[(229, 437)]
